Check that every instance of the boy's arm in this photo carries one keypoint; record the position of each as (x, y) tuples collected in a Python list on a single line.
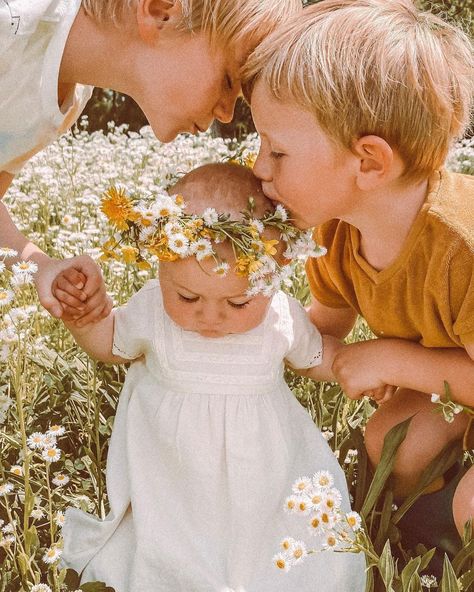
[(366, 365), (332, 321), (97, 339)]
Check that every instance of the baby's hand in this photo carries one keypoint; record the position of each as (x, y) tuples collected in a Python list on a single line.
[(360, 369), (77, 307)]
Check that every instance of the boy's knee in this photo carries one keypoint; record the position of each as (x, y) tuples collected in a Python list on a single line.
[(463, 502)]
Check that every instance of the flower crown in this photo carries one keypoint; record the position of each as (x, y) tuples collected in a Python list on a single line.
[(158, 227)]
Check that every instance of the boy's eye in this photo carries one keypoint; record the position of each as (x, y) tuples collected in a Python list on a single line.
[(276, 155), (187, 298), (238, 305)]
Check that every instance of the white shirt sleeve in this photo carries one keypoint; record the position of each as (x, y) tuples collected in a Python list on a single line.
[(134, 323), (306, 349)]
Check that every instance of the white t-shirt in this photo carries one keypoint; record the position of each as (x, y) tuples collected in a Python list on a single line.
[(33, 34)]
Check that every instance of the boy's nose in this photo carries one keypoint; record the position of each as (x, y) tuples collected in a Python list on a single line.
[(211, 316), (261, 168)]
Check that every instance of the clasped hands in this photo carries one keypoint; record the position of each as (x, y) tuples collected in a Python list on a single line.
[(361, 369), (73, 289)]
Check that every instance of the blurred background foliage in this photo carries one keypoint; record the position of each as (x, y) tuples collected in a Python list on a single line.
[(107, 105)]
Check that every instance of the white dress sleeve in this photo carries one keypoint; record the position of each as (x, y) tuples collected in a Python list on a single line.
[(134, 323), (306, 347)]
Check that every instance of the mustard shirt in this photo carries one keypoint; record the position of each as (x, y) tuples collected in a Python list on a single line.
[(427, 294)]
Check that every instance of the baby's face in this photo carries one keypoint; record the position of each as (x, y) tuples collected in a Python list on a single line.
[(199, 300)]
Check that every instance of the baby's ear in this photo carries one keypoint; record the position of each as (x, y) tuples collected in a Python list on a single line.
[(151, 17)]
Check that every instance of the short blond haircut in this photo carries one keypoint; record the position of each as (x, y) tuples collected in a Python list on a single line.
[(228, 21), (373, 67)]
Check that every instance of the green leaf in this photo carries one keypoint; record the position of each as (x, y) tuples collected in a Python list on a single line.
[(385, 517), (391, 443), (410, 577), (449, 582), (386, 567), (426, 558), (31, 537), (467, 552)]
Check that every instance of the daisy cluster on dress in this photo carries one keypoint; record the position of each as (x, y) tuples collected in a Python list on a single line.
[(158, 226), (319, 502)]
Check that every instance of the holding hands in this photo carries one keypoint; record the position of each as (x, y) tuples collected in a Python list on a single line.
[(73, 290), (362, 370)]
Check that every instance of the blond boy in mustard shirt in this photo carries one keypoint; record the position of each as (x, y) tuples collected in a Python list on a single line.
[(357, 104)]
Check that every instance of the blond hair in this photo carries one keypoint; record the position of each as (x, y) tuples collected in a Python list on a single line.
[(373, 67), (229, 21)]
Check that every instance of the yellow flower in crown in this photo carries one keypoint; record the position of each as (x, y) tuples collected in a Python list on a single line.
[(129, 254), (118, 208)]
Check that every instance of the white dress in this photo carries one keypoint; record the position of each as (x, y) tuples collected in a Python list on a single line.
[(207, 442)]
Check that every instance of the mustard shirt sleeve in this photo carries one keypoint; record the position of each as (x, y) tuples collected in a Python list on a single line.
[(462, 295), (320, 272)]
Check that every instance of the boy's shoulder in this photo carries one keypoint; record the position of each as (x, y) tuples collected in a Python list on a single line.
[(451, 208)]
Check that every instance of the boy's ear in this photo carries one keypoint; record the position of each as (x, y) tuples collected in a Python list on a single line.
[(152, 16), (376, 161)]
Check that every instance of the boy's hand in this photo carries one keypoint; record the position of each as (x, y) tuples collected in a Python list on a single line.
[(360, 370), (93, 303)]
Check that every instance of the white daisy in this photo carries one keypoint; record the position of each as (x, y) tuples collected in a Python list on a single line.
[(24, 267), (6, 252), (2, 267), (330, 541), (201, 248), (59, 518), (315, 524), (282, 561), (10, 527), (301, 485), (41, 588), (49, 440), (257, 225), (56, 430), (286, 543), (6, 296), (7, 541), (323, 479), (304, 505), (51, 454), (21, 279), (35, 441), (281, 213), (291, 504), (60, 480), (37, 514), (435, 398), (210, 216), (6, 488), (221, 269), (179, 243), (16, 470), (332, 499), (298, 552), (354, 521), (52, 555)]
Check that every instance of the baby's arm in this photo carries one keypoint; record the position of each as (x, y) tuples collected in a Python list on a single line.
[(97, 339), (323, 371)]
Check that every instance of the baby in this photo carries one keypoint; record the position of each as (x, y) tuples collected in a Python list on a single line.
[(208, 438)]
